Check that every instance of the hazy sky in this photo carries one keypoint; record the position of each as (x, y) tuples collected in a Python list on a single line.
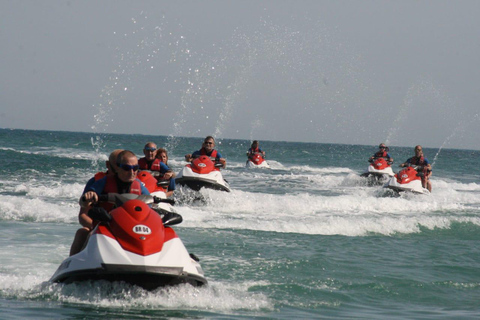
[(355, 72)]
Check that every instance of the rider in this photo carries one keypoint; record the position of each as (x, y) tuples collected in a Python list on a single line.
[(124, 180), (382, 153), (425, 166), (208, 150), (152, 163), (162, 155), (83, 218), (254, 148)]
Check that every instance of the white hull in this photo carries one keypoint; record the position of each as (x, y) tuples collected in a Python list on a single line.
[(264, 164), (196, 181), (104, 258), (413, 186)]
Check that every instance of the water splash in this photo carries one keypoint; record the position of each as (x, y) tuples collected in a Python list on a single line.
[(267, 72), (459, 129), (425, 107)]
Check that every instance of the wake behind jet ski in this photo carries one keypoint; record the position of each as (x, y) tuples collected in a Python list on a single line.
[(407, 179), (134, 244), (202, 172)]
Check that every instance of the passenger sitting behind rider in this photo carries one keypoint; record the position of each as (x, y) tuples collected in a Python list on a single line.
[(153, 163), (382, 153), (425, 166), (83, 218), (208, 150)]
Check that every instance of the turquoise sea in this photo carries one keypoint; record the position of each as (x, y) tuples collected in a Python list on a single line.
[(306, 239)]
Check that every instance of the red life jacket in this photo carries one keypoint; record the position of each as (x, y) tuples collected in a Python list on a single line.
[(212, 155), (99, 175), (418, 161), (111, 187), (380, 154), (143, 164)]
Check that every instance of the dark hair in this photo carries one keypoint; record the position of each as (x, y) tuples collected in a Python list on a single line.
[(208, 138)]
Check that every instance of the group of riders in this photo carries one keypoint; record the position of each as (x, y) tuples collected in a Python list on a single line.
[(419, 160), (123, 176), (123, 167)]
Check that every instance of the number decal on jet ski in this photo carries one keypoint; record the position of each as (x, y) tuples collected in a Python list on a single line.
[(141, 229)]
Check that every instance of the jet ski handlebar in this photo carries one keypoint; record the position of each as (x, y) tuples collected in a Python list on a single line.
[(119, 199)]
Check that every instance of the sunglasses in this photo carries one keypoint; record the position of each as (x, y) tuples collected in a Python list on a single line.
[(208, 142), (382, 147), (150, 149), (127, 167)]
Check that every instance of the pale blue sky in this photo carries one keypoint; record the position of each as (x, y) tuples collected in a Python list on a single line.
[(359, 72)]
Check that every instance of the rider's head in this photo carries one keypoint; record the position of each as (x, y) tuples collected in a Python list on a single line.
[(112, 161), (150, 151), (418, 151), (382, 146), (209, 143), (162, 155), (127, 166), (255, 144)]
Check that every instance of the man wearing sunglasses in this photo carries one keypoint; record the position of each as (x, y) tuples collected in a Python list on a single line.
[(382, 153), (207, 150), (425, 166), (124, 181), (152, 163)]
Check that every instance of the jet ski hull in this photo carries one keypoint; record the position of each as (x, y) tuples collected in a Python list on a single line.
[(196, 181), (263, 164), (133, 247), (406, 180), (147, 277)]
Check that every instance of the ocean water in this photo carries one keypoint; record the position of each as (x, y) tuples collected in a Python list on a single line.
[(308, 238)]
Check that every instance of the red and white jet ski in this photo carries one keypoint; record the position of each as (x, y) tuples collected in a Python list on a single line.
[(407, 179), (157, 189), (134, 244), (380, 169), (202, 172), (257, 160)]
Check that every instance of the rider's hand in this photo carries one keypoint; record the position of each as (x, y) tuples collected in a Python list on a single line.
[(167, 175), (223, 162), (88, 198)]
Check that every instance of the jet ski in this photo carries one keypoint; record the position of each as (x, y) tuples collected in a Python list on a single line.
[(157, 189), (379, 170), (134, 244), (202, 172), (257, 160), (407, 179)]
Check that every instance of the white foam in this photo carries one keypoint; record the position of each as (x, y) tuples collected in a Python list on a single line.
[(26, 209), (357, 211)]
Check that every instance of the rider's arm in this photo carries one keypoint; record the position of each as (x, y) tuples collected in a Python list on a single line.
[(84, 219), (144, 189)]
